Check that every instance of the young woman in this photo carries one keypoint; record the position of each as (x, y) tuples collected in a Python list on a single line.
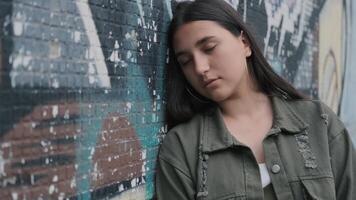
[(241, 131)]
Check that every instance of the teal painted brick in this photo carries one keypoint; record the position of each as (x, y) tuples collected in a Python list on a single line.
[(53, 93)]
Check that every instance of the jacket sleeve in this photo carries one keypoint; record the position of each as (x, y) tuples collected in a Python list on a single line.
[(343, 161), (172, 183)]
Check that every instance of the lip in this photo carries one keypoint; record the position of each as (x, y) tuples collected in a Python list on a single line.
[(209, 82)]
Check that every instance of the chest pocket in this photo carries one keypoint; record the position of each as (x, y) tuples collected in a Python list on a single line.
[(318, 189)]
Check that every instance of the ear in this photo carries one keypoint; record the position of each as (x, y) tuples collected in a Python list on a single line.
[(246, 43)]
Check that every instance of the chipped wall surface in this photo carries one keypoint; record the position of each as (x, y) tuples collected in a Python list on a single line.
[(81, 86), (310, 43), (81, 98)]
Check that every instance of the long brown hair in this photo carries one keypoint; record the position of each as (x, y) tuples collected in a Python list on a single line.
[(182, 100)]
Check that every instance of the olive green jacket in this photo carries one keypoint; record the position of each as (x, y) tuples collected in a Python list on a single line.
[(308, 153)]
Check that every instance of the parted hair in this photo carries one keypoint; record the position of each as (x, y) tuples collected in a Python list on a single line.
[(183, 102)]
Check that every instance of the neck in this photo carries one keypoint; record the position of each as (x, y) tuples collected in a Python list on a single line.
[(248, 104)]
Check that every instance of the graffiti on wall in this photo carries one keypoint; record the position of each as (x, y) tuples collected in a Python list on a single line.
[(309, 43), (287, 32), (82, 112), (347, 107), (331, 66), (81, 109), (304, 41)]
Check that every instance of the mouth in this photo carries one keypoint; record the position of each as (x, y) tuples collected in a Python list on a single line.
[(209, 82)]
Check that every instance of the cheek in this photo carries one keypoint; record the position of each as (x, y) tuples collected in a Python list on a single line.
[(236, 57), (192, 79), (229, 60), (185, 74), (235, 50), (189, 76), (229, 53)]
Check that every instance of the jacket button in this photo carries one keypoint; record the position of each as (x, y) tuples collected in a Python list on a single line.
[(205, 157), (276, 168)]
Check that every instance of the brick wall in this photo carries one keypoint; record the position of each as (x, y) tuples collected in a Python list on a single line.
[(81, 86), (81, 97)]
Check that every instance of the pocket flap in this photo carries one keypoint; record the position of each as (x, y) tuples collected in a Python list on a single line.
[(320, 188)]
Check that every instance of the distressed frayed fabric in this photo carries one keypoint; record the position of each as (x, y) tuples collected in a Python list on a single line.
[(305, 149), (308, 154)]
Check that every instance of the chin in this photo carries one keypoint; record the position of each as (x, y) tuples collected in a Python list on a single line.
[(218, 98)]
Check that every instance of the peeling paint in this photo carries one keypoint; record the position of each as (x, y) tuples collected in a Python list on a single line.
[(275, 15), (90, 121), (134, 182), (55, 83), (155, 37), (129, 106), (54, 49), (121, 188), (32, 179), (5, 145), (55, 178), (9, 181), (139, 4), (128, 55), (92, 151), (14, 195), (18, 27), (66, 114), (55, 111), (16, 60), (7, 22), (73, 183), (61, 196), (132, 36), (51, 189), (76, 36), (115, 57), (2, 165)]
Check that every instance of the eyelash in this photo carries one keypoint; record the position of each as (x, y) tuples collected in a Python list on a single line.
[(208, 50), (185, 63)]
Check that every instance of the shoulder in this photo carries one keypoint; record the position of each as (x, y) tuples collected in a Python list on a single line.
[(180, 145), (317, 113), (184, 135)]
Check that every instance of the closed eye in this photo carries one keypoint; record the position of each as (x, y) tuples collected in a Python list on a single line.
[(210, 49), (185, 63)]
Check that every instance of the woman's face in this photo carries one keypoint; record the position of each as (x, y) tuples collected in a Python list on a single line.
[(212, 59)]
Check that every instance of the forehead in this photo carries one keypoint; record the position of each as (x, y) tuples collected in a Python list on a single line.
[(191, 32)]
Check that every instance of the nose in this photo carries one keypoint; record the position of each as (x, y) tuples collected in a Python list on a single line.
[(201, 64)]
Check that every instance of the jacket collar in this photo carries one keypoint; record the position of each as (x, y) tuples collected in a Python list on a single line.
[(215, 135)]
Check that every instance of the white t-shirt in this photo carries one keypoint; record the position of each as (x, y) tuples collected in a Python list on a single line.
[(265, 178)]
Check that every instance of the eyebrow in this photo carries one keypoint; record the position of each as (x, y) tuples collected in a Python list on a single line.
[(198, 43)]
